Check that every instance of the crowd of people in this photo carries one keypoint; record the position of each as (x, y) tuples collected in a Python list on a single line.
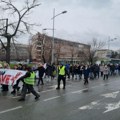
[(38, 72), (93, 71)]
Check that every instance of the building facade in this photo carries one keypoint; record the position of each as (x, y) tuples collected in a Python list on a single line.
[(107, 56), (19, 52), (64, 50), (103, 54)]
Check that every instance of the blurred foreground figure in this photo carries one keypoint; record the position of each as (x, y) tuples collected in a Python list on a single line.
[(29, 80)]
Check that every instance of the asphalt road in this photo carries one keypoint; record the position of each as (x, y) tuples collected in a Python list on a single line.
[(100, 100)]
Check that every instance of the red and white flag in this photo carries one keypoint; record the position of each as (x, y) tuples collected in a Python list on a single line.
[(9, 76)]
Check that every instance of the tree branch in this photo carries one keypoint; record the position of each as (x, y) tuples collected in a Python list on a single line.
[(11, 5), (3, 44), (29, 8)]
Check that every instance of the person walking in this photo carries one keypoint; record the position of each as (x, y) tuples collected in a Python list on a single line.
[(5, 88), (105, 72), (61, 76), (29, 80), (41, 71), (101, 69), (86, 72)]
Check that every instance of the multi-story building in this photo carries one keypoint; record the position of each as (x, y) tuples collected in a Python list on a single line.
[(19, 52), (103, 54), (64, 50), (107, 56)]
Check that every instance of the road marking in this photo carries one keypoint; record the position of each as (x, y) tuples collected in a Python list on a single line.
[(111, 95), (15, 97), (108, 106), (20, 96), (90, 106), (112, 106), (79, 91), (46, 91), (12, 109), (51, 98)]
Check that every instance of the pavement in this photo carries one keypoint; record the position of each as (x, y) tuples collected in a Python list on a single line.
[(99, 100)]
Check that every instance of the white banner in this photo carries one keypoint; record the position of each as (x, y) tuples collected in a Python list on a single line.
[(9, 76)]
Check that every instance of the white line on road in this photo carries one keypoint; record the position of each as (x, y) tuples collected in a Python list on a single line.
[(79, 91), (90, 106), (20, 96), (51, 98), (12, 109), (112, 106), (47, 91)]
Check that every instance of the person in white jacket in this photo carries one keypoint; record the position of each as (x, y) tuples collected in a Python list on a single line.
[(105, 72), (101, 69)]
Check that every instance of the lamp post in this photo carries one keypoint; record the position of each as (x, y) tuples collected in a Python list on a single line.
[(109, 40), (53, 18), (47, 29)]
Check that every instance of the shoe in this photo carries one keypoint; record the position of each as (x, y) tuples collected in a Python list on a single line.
[(57, 88), (21, 99), (63, 87), (4, 90), (28, 92), (37, 85), (13, 92), (37, 97), (19, 94), (18, 88)]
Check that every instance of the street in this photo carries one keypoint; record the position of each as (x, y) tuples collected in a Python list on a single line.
[(98, 100)]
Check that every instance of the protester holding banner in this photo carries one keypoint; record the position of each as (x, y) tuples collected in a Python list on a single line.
[(5, 87), (10, 76), (29, 80), (16, 87), (1, 68)]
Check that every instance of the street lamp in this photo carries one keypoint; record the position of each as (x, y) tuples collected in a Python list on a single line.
[(109, 40), (53, 18), (47, 29)]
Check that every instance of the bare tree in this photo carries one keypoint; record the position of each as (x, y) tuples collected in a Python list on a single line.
[(11, 29), (72, 52), (95, 45)]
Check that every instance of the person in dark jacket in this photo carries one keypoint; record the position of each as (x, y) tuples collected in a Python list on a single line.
[(41, 71), (86, 72), (5, 87)]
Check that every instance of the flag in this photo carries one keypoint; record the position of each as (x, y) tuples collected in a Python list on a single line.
[(9, 76)]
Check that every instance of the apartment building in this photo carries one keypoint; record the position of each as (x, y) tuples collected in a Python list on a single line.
[(19, 52), (64, 50), (103, 54)]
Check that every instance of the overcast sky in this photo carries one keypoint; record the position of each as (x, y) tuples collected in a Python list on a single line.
[(84, 20)]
